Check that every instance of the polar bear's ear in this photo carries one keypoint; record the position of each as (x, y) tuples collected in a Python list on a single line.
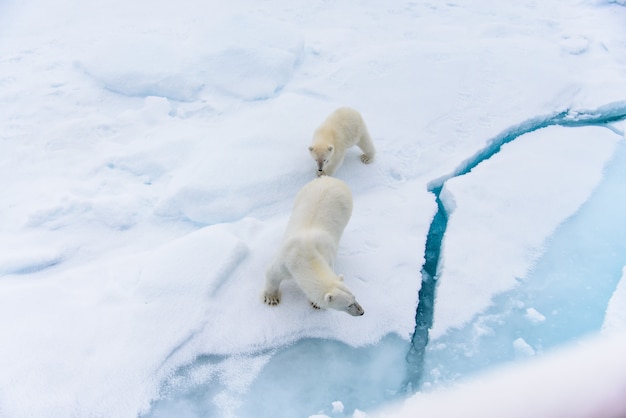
[(340, 276), (330, 148), (328, 297), (310, 148)]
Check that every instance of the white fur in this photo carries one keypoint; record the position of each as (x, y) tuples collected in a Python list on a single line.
[(342, 129), (320, 213)]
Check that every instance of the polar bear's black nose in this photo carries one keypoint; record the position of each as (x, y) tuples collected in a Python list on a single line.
[(355, 309)]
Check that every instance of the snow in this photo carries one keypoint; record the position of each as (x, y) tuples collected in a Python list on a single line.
[(522, 348), (338, 407), (212, 60), (615, 317), (534, 315), (149, 157)]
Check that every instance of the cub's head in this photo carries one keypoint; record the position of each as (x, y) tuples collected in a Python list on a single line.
[(322, 155), (341, 299)]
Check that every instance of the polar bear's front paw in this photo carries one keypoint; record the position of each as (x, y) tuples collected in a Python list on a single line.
[(271, 299), (314, 305), (367, 158)]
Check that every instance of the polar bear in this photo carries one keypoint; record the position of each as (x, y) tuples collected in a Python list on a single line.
[(342, 129), (320, 214)]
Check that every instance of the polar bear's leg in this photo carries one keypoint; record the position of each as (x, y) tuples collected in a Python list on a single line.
[(274, 275), (366, 145), (334, 163)]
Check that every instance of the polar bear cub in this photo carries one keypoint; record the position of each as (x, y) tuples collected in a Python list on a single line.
[(320, 213), (342, 129)]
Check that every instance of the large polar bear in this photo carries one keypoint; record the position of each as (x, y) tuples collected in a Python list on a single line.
[(320, 213), (342, 129)]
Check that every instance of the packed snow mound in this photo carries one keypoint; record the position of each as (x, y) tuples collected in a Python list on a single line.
[(219, 61)]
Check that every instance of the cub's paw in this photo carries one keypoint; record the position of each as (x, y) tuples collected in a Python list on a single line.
[(314, 305), (271, 299), (367, 158)]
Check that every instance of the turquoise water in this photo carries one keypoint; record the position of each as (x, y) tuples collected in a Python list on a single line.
[(303, 379)]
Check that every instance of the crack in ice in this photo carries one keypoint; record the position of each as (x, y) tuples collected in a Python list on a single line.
[(602, 116)]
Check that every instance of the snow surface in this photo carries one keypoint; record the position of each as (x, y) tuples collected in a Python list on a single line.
[(150, 153), (615, 319)]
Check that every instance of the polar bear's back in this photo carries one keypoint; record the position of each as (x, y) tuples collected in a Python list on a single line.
[(324, 203), (347, 125)]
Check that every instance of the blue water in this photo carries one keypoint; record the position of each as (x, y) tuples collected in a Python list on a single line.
[(426, 299), (306, 378), (298, 381)]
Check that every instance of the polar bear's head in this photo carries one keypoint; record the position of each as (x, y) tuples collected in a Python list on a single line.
[(322, 155), (341, 299)]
